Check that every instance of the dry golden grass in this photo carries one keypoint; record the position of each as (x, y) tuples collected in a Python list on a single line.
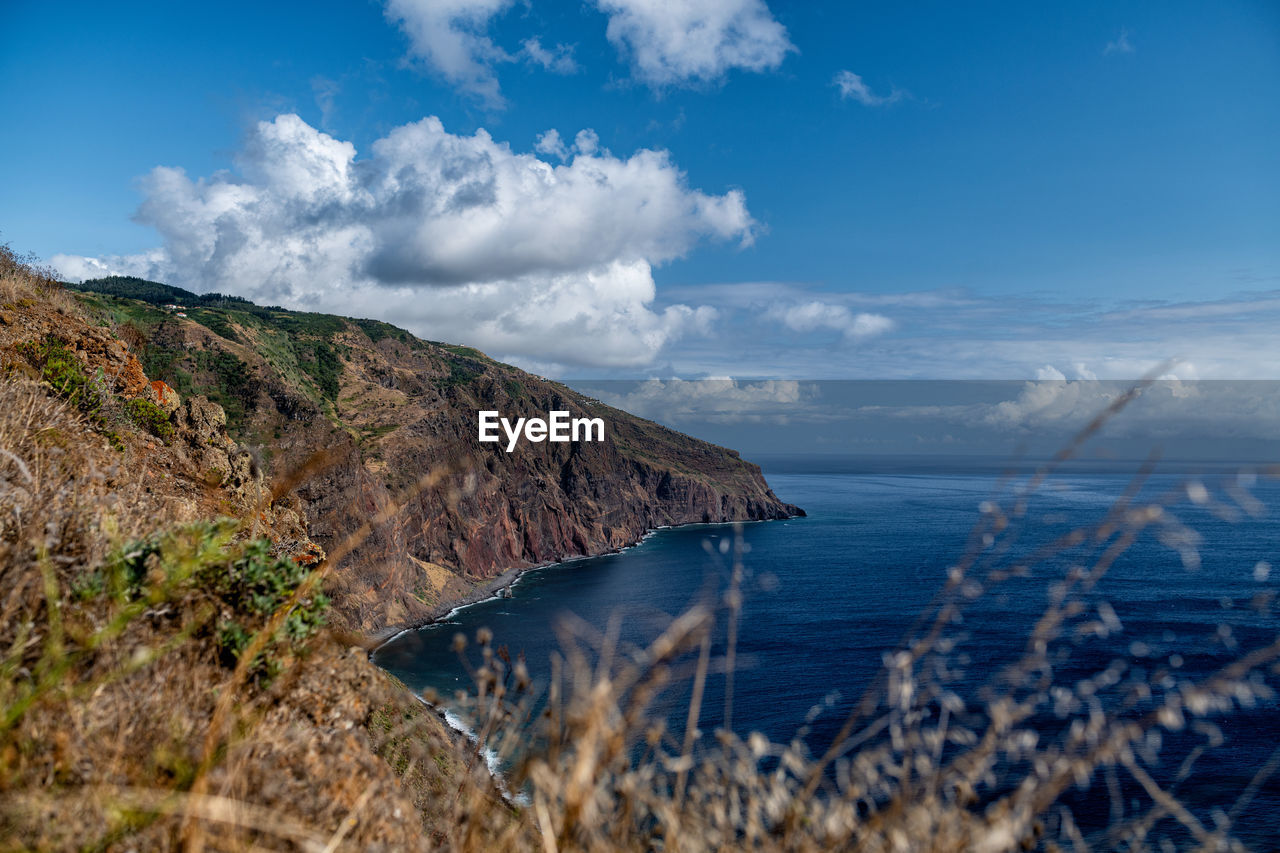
[(120, 725), (22, 283), (919, 764), (120, 728)]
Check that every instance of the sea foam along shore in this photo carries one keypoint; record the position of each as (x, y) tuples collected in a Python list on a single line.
[(488, 591), (494, 587), (491, 591)]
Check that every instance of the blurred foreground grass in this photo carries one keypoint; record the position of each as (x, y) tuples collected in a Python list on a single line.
[(166, 681)]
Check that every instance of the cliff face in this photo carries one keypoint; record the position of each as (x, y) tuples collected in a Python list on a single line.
[(396, 420), (121, 597)]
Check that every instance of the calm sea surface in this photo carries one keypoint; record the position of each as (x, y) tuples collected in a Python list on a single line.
[(826, 596)]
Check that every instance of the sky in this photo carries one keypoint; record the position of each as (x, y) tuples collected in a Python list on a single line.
[(988, 423), (711, 188)]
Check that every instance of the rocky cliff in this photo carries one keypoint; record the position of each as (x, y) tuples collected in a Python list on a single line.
[(386, 426), (129, 717)]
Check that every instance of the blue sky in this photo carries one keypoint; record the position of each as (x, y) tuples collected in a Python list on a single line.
[(806, 190)]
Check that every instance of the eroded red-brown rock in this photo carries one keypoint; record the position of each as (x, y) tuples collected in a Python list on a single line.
[(160, 393)]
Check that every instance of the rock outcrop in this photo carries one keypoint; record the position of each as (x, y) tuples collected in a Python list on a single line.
[(202, 429), (381, 430), (200, 470), (165, 398), (486, 510), (123, 702)]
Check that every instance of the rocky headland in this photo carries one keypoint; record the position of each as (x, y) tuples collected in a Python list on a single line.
[(375, 424), (207, 509)]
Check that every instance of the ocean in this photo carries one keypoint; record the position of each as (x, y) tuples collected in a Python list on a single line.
[(827, 596)]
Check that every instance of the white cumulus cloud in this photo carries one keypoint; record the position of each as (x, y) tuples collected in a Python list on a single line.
[(668, 44), (815, 315), (694, 41), (724, 400), (450, 36), (551, 145), (853, 87), (456, 237), (1049, 373), (1166, 408), (558, 60)]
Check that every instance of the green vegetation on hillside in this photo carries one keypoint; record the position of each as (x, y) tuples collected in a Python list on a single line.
[(63, 371), (299, 350), (150, 417), (165, 682), (130, 287), (90, 394), (377, 330), (204, 559), (323, 365), (298, 346)]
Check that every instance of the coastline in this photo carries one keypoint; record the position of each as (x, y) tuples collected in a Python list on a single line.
[(488, 591), (508, 578)]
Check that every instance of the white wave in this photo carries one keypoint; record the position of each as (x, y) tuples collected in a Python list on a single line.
[(491, 761)]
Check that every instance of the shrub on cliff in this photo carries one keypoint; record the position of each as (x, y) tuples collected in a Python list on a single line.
[(121, 726), (150, 417), (323, 364), (255, 586), (59, 367), (248, 583), (91, 393)]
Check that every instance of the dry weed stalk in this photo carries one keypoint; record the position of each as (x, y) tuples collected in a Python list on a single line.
[(23, 281), (108, 691), (922, 762)]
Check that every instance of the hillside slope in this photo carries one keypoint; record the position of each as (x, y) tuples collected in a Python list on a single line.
[(396, 418), (134, 578)]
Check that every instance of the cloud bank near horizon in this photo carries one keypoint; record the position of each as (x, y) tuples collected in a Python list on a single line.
[(1184, 420), (796, 330)]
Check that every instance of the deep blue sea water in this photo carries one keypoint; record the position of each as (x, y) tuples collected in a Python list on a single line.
[(826, 596)]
